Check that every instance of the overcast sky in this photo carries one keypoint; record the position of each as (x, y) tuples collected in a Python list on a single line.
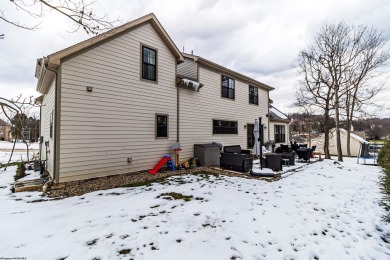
[(258, 38)]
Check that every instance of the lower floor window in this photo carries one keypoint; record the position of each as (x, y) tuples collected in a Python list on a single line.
[(161, 126), (224, 127), (280, 134)]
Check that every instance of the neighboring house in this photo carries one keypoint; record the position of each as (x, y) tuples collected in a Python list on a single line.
[(116, 103), (298, 139), (279, 127), (5, 131), (356, 142)]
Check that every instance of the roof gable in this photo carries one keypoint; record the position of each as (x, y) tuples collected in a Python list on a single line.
[(53, 60), (150, 18), (3, 123)]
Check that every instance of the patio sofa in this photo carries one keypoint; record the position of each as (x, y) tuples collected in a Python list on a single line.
[(234, 158)]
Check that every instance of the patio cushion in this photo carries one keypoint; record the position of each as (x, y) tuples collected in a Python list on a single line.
[(232, 149)]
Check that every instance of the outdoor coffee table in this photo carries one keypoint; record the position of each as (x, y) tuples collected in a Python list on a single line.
[(286, 162)]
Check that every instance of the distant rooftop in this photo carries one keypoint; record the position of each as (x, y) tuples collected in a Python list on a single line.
[(3, 123)]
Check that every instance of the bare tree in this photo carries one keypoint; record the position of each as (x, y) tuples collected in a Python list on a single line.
[(362, 76), (336, 68), (315, 93), (79, 11), (358, 103), (11, 109)]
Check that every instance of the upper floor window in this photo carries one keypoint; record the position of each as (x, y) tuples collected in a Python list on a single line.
[(280, 134), (253, 95), (149, 61), (224, 127), (227, 87)]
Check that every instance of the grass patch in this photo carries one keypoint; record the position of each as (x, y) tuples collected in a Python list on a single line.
[(164, 180), (92, 242), (207, 175), (20, 171), (2, 165), (175, 196), (376, 141), (124, 251), (146, 183)]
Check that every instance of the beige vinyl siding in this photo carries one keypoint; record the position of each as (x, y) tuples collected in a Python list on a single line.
[(188, 68), (272, 132), (48, 114), (116, 121), (198, 109)]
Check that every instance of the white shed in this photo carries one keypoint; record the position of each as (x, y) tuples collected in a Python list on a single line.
[(356, 142)]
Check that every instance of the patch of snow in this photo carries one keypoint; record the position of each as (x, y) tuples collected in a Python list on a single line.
[(16, 157), (256, 168), (19, 154), (31, 175), (324, 210), (20, 145), (195, 85)]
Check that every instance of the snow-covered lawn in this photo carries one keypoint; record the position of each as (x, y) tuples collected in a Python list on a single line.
[(322, 211), (19, 153), (18, 145)]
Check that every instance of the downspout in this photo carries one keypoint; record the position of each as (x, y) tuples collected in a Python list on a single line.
[(55, 175), (40, 132), (289, 131), (178, 114), (268, 117), (177, 108)]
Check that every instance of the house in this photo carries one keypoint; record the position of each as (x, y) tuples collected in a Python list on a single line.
[(356, 142), (279, 127), (117, 102), (5, 131)]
